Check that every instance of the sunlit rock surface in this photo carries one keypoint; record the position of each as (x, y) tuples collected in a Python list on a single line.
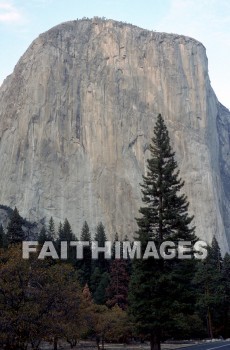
[(77, 114)]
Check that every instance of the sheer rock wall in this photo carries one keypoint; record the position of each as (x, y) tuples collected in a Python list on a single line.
[(77, 114)]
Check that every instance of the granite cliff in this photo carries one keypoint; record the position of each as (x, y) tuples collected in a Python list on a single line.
[(77, 114)]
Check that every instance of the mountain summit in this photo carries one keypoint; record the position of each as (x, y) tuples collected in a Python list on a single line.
[(77, 115)]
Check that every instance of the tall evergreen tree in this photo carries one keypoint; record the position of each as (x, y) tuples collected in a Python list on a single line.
[(95, 279), (3, 242), (15, 233), (67, 233), (98, 284), (100, 235), (85, 265), (226, 284), (85, 233), (99, 295), (116, 239), (210, 301), (42, 237), (101, 238), (60, 231), (51, 234), (154, 295)]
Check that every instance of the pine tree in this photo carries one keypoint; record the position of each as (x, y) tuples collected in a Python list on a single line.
[(214, 255), (85, 265), (42, 237), (116, 239), (95, 279), (60, 231), (117, 290), (15, 233), (101, 238), (51, 235), (1, 236), (67, 233), (165, 214), (100, 235), (154, 296), (85, 233), (100, 293), (98, 284), (3, 242), (226, 284), (210, 289)]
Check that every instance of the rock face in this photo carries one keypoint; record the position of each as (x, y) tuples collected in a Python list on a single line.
[(77, 114)]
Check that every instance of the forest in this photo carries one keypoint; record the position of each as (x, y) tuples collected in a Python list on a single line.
[(117, 299)]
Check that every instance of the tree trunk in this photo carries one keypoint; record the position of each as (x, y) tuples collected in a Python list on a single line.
[(155, 343), (226, 321), (209, 317), (210, 324), (55, 344), (103, 342), (98, 342)]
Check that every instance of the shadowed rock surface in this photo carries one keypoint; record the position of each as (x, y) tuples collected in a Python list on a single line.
[(77, 114)]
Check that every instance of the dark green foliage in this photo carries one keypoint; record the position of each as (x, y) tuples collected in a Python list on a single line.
[(162, 296), (7, 209), (214, 255), (51, 235), (60, 231), (165, 214), (95, 279), (210, 298), (99, 295), (85, 265), (116, 239), (100, 235), (185, 320), (226, 285), (101, 238), (129, 261), (65, 234), (1, 236), (43, 237), (98, 283), (158, 291), (3, 241), (15, 233), (85, 233)]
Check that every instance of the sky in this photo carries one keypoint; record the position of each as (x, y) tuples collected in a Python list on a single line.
[(208, 21)]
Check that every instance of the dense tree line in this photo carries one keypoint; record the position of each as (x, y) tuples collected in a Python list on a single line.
[(117, 299)]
